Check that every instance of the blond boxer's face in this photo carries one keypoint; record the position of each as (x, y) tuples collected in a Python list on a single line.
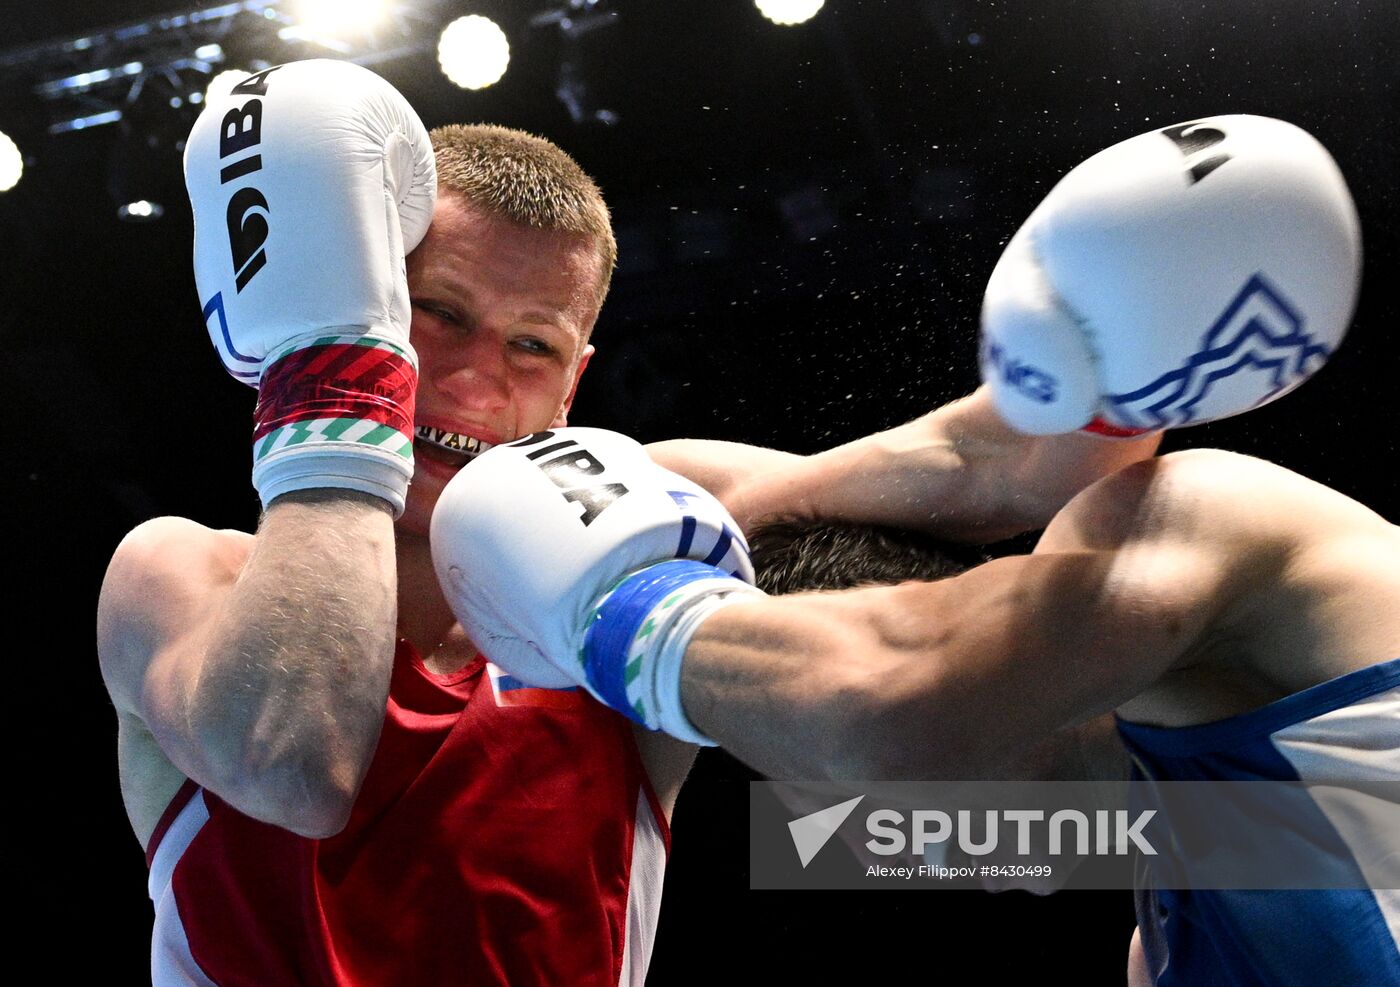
[(501, 317)]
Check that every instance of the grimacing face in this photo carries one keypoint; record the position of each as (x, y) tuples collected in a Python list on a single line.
[(501, 317)]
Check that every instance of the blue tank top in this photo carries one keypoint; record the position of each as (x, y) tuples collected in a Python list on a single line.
[(1344, 731)]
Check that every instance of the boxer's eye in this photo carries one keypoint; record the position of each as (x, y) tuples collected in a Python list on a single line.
[(437, 312)]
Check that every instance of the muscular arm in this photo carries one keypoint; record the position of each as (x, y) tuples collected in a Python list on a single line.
[(263, 680), (958, 472), (924, 680), (962, 677)]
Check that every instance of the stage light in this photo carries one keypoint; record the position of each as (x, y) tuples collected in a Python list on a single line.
[(338, 18), (222, 84), (139, 176), (11, 163), (143, 167), (140, 211), (788, 12), (473, 52)]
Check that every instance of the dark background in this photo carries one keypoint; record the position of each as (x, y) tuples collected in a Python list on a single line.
[(806, 218)]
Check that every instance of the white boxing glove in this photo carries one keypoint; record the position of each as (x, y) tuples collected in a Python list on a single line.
[(310, 182), (570, 558), (1184, 275)]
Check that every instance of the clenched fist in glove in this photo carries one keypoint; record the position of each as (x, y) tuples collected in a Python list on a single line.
[(310, 181), (1184, 275), (570, 558)]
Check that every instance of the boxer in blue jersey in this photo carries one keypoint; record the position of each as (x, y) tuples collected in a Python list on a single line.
[(1340, 733), (1343, 732)]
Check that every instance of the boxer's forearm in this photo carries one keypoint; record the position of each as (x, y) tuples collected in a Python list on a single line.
[(806, 687), (838, 687), (951, 679), (958, 472), (776, 691), (290, 694)]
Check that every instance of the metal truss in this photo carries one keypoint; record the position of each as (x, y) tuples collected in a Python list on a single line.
[(98, 78)]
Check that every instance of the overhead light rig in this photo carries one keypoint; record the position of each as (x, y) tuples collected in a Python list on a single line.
[(151, 76), (93, 79)]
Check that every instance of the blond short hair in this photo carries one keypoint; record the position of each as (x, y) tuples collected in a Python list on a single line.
[(527, 180)]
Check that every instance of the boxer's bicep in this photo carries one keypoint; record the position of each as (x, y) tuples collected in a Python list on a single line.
[(149, 781)]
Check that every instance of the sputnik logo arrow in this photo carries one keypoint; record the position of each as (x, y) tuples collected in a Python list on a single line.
[(810, 833)]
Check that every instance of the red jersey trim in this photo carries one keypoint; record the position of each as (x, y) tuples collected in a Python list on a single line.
[(654, 800), (168, 817)]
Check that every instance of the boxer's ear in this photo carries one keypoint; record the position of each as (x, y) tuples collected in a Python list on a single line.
[(562, 419)]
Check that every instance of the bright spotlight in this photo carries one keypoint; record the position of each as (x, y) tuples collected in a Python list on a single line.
[(222, 84), (11, 163), (788, 12), (473, 52), (140, 211), (340, 17)]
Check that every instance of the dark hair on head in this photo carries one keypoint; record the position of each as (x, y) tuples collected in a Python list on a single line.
[(790, 557)]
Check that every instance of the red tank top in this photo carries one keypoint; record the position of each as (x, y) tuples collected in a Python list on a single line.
[(503, 835)]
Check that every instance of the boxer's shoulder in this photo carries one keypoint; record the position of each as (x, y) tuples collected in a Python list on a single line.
[(1222, 501), (1297, 580), (1236, 524)]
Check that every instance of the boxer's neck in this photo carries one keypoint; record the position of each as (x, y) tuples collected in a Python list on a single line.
[(425, 619)]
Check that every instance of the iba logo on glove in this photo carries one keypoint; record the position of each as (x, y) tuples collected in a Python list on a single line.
[(569, 467), (241, 130)]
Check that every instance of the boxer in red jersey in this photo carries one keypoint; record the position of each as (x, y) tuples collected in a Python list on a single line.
[(331, 784)]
